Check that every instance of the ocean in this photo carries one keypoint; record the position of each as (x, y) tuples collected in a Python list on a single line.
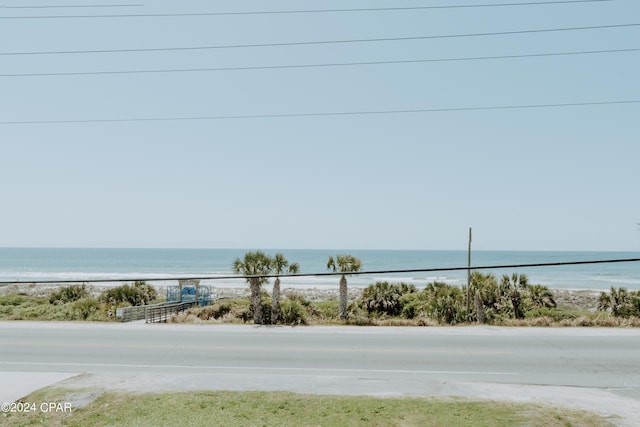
[(120, 265)]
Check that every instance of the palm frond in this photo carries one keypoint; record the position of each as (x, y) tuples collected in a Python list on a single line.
[(293, 268), (331, 264), (279, 263)]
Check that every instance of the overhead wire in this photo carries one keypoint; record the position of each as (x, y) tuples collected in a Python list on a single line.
[(301, 11), (70, 6), (320, 114), (355, 273), (330, 64), (323, 42), (364, 63)]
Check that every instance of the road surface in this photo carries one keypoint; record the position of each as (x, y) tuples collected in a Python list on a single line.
[(593, 368)]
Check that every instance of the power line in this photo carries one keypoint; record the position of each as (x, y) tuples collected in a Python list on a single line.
[(333, 64), (64, 6), (301, 11), (355, 273), (323, 114), (321, 42)]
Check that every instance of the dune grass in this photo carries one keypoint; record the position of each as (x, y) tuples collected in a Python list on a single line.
[(286, 409), (25, 307)]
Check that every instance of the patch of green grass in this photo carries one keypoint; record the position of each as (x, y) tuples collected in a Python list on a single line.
[(324, 311), (13, 300), (290, 409), (559, 313), (15, 307)]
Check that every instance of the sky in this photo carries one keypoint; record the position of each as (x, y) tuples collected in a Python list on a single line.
[(546, 178)]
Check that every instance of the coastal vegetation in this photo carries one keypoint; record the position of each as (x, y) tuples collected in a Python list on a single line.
[(137, 294), (280, 265), (620, 302), (68, 294), (380, 304), (75, 302), (254, 267), (510, 300), (437, 304), (344, 264)]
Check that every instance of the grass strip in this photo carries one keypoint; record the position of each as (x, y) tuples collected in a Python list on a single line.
[(225, 408)]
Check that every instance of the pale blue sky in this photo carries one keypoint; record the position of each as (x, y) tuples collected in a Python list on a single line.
[(549, 178)]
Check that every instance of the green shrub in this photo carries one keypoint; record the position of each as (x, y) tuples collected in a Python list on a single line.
[(621, 302), (215, 311), (292, 312), (513, 297), (486, 297), (86, 308), (267, 307), (385, 297), (324, 310), (539, 296), (69, 294), (238, 309), (438, 301), (298, 297), (209, 312), (413, 305), (138, 294), (445, 303)]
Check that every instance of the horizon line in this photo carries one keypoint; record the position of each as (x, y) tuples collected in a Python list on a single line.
[(272, 275)]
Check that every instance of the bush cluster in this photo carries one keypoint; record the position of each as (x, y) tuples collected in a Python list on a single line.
[(292, 313), (385, 297), (69, 294), (620, 302), (513, 297), (490, 301), (86, 308), (401, 303), (508, 301), (23, 307), (294, 309), (214, 311), (137, 294), (75, 302)]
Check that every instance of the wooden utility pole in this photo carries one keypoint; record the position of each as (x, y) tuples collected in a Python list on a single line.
[(469, 275)]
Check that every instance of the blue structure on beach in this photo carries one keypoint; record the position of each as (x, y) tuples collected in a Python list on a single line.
[(190, 291)]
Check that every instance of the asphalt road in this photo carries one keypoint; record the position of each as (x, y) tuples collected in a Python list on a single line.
[(340, 360)]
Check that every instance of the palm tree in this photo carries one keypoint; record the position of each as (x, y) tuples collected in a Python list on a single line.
[(280, 263), (541, 296), (255, 266), (511, 287), (344, 264), (484, 288)]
